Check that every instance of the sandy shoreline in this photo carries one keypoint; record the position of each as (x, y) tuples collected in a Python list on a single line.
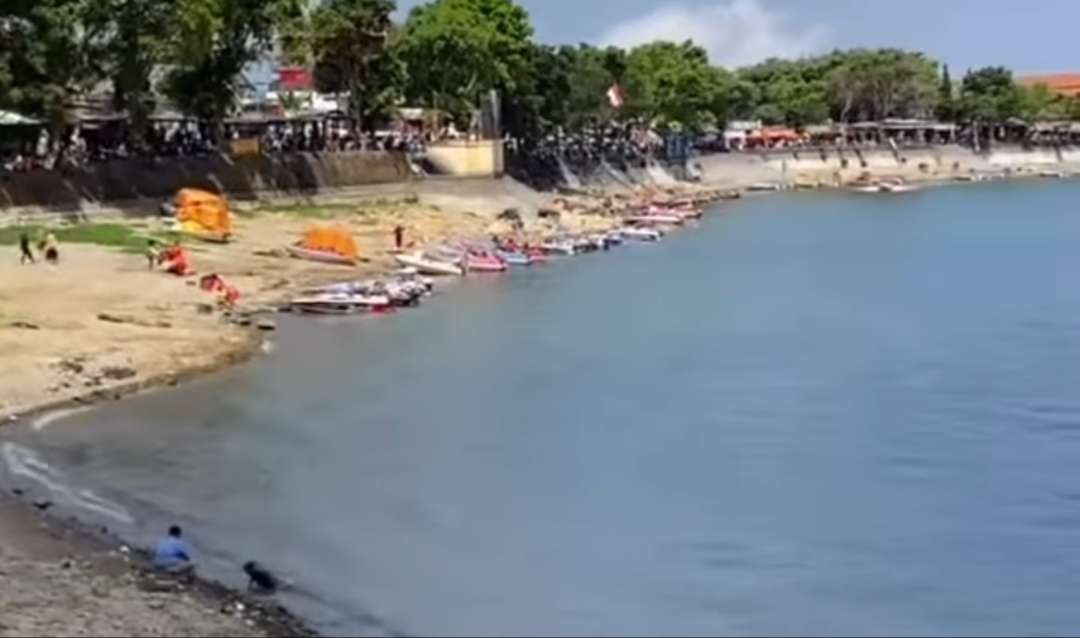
[(100, 326)]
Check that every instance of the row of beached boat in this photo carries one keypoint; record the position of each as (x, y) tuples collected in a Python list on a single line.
[(406, 287), (647, 224), (414, 279)]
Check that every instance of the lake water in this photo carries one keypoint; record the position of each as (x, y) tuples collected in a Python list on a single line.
[(813, 414)]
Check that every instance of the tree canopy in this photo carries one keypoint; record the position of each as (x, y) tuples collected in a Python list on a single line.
[(351, 42), (455, 51), (449, 55)]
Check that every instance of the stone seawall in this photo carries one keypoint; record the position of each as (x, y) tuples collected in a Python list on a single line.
[(241, 177), (728, 169)]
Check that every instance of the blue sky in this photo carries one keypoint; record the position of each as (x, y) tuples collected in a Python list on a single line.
[(1033, 36)]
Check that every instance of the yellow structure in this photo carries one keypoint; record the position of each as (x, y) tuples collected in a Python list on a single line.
[(330, 239), (203, 214), (481, 158)]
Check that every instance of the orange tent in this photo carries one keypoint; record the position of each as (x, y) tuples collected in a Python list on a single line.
[(330, 239), (202, 213)]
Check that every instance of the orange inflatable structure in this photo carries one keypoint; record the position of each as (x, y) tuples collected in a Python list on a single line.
[(203, 214), (330, 239)]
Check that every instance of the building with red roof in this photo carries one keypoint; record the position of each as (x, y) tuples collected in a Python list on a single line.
[(1066, 84)]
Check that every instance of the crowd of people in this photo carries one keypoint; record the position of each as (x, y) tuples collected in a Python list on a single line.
[(543, 161), (80, 147)]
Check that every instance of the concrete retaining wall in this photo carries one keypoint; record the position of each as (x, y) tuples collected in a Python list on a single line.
[(482, 158), (240, 177)]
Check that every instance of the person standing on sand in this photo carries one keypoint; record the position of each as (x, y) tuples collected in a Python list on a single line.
[(24, 246), (152, 254), (399, 236), (51, 248), (172, 554)]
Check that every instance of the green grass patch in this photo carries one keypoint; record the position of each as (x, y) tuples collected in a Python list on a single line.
[(310, 211), (119, 236)]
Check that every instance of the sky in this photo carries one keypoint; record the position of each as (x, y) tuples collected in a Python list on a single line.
[(1029, 37)]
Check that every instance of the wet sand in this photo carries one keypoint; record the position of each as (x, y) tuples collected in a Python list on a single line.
[(60, 579)]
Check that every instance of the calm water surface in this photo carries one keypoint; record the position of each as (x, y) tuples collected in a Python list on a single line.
[(814, 414)]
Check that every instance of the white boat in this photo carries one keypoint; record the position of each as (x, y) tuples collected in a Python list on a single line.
[(340, 303), (764, 186), (426, 265), (887, 186), (660, 218), (641, 234), (614, 238), (898, 187), (1053, 174), (559, 247)]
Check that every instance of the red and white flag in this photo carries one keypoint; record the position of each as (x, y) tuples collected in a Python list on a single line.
[(616, 95)]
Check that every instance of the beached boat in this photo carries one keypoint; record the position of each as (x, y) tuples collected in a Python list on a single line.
[(427, 265), (587, 244), (207, 236), (897, 186), (374, 293), (614, 238), (483, 262), (885, 186), (655, 219), (684, 211), (636, 233), (515, 258), (688, 213), (1052, 174), (324, 256), (341, 302), (559, 247), (764, 186)]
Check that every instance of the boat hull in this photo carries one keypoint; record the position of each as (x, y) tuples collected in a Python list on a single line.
[(321, 256), (427, 266)]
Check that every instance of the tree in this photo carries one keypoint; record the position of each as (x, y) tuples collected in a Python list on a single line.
[(456, 51), (990, 95), (351, 45), (946, 106), (901, 84), (213, 41), (136, 41), (51, 55), (798, 101), (673, 83), (1039, 103)]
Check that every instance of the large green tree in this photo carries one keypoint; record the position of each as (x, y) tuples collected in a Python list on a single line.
[(670, 83), (990, 95), (51, 55), (136, 42), (212, 42), (456, 51), (860, 84), (351, 44)]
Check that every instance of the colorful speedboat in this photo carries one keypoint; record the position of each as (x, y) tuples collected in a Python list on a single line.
[(428, 265)]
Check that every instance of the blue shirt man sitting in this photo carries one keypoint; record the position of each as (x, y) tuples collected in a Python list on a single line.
[(172, 554)]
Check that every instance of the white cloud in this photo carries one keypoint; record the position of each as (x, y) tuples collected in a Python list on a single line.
[(734, 32)]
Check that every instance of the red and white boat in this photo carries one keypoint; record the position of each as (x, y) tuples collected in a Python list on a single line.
[(324, 256), (478, 261), (649, 218)]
